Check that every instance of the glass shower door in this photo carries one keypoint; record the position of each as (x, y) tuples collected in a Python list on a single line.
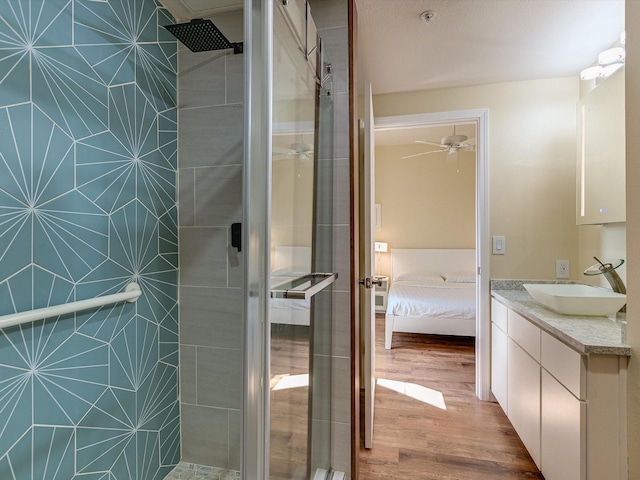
[(298, 376), (288, 285)]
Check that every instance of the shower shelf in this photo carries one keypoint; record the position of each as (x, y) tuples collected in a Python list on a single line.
[(305, 287)]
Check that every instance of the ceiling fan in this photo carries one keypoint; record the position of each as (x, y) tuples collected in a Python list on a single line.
[(299, 150), (451, 144)]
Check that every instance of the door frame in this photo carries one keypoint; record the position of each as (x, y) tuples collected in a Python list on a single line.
[(481, 119)]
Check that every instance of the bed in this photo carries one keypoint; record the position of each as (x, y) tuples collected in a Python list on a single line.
[(432, 291), (289, 263)]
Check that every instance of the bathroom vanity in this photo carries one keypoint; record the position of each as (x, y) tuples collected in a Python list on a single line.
[(561, 380)]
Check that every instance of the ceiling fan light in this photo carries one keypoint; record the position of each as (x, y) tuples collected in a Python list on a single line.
[(591, 73), (612, 55)]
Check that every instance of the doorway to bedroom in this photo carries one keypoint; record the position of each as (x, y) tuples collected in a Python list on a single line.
[(431, 194)]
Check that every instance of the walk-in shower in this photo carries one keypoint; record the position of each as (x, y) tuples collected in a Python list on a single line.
[(261, 157)]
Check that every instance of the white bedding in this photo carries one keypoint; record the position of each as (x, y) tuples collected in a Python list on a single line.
[(433, 291), (289, 263), (413, 298), (287, 310)]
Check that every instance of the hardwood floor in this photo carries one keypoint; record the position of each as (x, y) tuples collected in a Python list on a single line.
[(289, 407), (437, 429)]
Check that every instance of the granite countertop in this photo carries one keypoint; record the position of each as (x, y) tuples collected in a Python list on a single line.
[(597, 335)]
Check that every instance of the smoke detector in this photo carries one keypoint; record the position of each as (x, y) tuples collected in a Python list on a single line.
[(427, 16)]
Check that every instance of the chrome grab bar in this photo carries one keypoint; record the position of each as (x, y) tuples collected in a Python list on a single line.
[(130, 294), (304, 287)]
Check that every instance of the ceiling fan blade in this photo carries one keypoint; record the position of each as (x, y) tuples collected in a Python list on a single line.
[(423, 153), (423, 142), (471, 141), (302, 147), (282, 150)]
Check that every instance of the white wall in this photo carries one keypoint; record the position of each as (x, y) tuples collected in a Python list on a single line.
[(426, 201), (605, 242), (532, 153)]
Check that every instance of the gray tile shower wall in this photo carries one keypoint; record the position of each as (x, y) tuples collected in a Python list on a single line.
[(210, 109), (210, 145), (331, 18)]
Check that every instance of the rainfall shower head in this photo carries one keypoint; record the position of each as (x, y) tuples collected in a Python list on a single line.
[(200, 35)]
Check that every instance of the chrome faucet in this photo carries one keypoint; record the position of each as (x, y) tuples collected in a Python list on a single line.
[(609, 271)]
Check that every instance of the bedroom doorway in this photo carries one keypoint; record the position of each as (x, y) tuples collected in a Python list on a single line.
[(471, 120)]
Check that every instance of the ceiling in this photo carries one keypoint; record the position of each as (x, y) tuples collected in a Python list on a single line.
[(474, 42), (409, 135), (185, 10), (467, 42)]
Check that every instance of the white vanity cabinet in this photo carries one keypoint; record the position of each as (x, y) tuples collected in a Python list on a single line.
[(600, 174), (563, 411), (568, 408), (523, 382), (499, 355)]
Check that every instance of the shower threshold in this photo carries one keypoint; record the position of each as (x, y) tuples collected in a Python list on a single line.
[(192, 471)]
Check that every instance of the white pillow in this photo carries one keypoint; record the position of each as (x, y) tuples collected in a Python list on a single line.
[(292, 271), (426, 277), (460, 277)]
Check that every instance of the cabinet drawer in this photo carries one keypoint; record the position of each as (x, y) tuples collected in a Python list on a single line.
[(525, 334), (565, 364), (523, 387), (563, 436), (499, 314)]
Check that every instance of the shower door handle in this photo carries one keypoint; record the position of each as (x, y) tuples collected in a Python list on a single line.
[(305, 287)]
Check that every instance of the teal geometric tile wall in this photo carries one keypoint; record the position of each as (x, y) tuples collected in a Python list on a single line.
[(88, 160)]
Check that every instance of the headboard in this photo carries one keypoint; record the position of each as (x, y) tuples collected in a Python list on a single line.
[(437, 260), (292, 258)]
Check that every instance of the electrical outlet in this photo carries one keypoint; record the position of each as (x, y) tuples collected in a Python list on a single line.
[(562, 268)]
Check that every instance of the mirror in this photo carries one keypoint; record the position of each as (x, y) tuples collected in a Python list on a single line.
[(293, 140)]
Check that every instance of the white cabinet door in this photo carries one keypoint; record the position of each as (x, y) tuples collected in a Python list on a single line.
[(523, 385), (563, 435), (499, 364)]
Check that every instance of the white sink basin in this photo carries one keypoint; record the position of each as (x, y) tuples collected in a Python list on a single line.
[(575, 299)]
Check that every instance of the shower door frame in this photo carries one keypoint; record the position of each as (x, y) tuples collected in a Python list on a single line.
[(256, 242)]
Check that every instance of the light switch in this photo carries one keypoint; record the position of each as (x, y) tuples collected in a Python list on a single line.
[(499, 245)]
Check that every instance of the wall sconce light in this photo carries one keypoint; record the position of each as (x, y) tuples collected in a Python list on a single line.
[(609, 61), (379, 247), (591, 73), (612, 55)]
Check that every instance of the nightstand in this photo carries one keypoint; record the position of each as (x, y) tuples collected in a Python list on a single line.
[(381, 293)]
